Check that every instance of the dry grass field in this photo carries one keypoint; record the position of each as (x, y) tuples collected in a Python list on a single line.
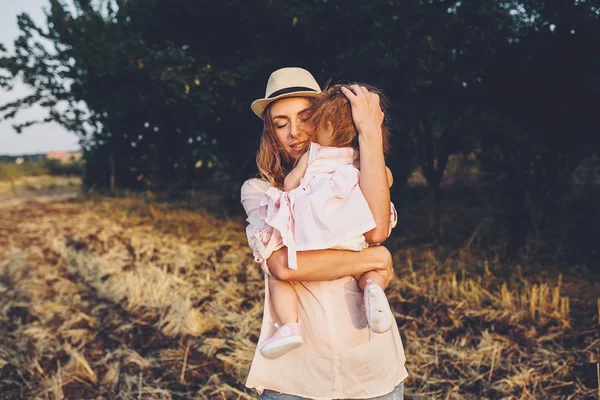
[(28, 185), (123, 299)]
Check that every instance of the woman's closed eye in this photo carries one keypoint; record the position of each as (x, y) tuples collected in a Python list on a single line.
[(304, 115), (280, 126)]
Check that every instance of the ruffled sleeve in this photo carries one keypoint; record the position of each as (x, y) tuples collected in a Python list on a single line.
[(393, 218), (262, 238)]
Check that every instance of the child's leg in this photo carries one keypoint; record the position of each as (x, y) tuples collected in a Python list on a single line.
[(370, 275), (285, 306), (379, 314), (373, 275), (377, 308), (285, 302)]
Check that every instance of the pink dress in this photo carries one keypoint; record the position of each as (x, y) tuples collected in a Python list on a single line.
[(327, 210), (341, 358)]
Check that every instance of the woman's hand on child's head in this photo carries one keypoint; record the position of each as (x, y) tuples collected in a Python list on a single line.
[(366, 111)]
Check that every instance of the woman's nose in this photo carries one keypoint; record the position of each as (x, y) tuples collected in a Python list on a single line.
[(293, 130)]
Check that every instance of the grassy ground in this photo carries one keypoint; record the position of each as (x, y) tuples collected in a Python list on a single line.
[(26, 185), (124, 299)]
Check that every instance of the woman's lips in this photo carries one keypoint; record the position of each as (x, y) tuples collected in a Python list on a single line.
[(298, 146)]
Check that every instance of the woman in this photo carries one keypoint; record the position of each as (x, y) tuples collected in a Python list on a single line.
[(341, 358)]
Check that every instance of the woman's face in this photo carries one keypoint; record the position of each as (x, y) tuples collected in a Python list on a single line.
[(289, 122)]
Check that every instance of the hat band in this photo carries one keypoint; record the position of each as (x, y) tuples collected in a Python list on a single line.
[(290, 90)]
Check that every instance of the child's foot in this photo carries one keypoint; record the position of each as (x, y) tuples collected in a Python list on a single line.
[(286, 339), (377, 307)]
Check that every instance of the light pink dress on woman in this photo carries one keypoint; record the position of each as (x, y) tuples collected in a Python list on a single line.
[(341, 358), (327, 210)]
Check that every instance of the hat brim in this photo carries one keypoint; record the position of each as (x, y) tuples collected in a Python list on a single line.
[(258, 106)]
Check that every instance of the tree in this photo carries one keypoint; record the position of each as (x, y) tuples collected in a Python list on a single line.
[(540, 90), (430, 56)]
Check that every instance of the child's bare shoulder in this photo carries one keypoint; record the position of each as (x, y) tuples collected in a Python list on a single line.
[(304, 158), (302, 162)]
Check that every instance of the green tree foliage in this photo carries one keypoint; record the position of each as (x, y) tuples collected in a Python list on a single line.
[(543, 90), (146, 108), (158, 91), (437, 55)]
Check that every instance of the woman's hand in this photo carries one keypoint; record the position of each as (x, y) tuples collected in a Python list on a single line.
[(366, 111)]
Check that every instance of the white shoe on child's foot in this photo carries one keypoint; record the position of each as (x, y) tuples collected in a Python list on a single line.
[(286, 339), (377, 308)]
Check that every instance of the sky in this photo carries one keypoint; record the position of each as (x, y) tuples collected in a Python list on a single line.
[(41, 138)]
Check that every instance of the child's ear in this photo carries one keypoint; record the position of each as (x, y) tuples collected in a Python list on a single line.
[(329, 127)]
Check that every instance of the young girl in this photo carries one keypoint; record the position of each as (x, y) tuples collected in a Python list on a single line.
[(322, 207)]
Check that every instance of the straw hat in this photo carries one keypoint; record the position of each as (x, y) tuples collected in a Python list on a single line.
[(287, 82)]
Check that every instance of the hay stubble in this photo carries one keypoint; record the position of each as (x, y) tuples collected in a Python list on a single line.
[(123, 299)]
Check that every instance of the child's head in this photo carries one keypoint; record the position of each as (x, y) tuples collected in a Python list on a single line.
[(331, 118)]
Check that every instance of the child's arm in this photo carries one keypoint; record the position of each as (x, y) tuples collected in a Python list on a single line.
[(292, 180)]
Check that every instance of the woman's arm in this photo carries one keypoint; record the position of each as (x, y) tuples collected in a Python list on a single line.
[(315, 265), (368, 118), (327, 265), (268, 249)]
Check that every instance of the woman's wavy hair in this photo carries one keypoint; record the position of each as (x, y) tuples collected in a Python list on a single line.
[(272, 160), (331, 106)]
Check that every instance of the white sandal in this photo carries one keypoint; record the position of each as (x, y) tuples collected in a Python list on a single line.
[(377, 308)]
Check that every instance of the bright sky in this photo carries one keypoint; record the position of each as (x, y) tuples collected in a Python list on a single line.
[(37, 138)]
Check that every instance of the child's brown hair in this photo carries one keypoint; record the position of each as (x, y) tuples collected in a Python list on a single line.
[(333, 107)]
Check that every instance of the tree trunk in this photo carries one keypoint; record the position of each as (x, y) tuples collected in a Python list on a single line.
[(434, 212), (13, 187), (111, 159)]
